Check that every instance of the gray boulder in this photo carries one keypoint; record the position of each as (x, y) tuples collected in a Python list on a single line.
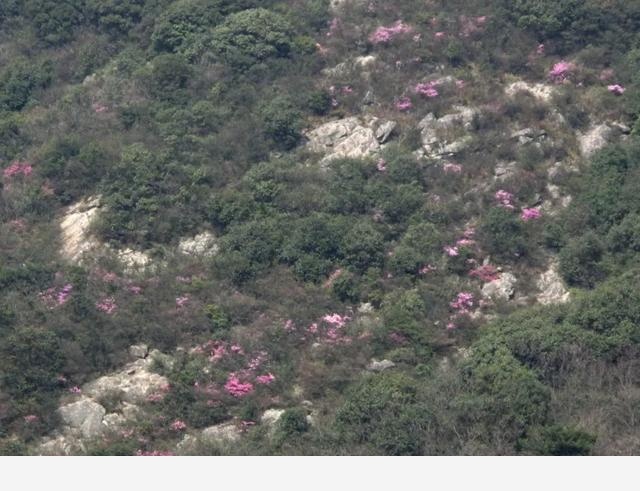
[(84, 415)]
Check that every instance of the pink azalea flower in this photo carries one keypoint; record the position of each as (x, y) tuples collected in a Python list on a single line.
[(30, 418), (452, 168), (403, 104), (463, 302), (485, 273), (616, 89), (237, 388), (313, 328), (561, 71), (136, 290), (529, 214), (460, 84), (18, 169), (451, 251), (178, 425), (440, 35), (289, 326), (182, 301), (426, 269), (505, 199), (427, 89), (336, 320), (381, 165), (107, 305), (265, 379), (75, 390), (386, 34)]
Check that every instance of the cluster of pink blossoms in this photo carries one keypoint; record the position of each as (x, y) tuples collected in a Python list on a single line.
[(237, 388), (182, 301), (55, 297), (265, 379), (403, 104), (486, 273), (381, 165), (616, 89), (18, 169), (463, 303), (427, 89), (75, 390), (505, 199), (178, 425), (451, 251), (107, 305), (561, 71), (471, 25), (385, 34), (529, 214), (30, 418), (452, 168)]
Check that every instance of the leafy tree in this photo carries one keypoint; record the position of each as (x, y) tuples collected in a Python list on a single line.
[(20, 80), (383, 412), (183, 27), (55, 21), (580, 261), (502, 234), (252, 36), (363, 247), (115, 16), (282, 122)]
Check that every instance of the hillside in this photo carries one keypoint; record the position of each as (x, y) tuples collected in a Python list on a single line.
[(313, 227)]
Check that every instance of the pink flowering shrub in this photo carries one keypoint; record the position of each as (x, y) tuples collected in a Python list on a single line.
[(265, 379), (485, 273), (561, 71), (107, 305), (386, 34), (182, 301), (55, 297), (427, 89), (529, 214), (75, 390), (451, 251), (17, 168), (616, 89), (463, 303), (403, 104), (237, 388), (381, 165), (31, 418), (178, 425), (505, 199)]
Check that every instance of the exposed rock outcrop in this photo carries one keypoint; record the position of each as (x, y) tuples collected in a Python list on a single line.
[(447, 135), (349, 138), (598, 136), (379, 366), (540, 91), (84, 415), (502, 288), (203, 244), (551, 286)]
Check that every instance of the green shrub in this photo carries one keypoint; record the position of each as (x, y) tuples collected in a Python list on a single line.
[(250, 37), (502, 234), (580, 261), (115, 16), (282, 122), (20, 80)]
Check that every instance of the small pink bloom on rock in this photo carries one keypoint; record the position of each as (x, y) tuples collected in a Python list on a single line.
[(265, 379), (616, 89)]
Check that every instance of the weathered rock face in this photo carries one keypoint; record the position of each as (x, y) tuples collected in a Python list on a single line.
[(505, 170), (361, 65), (379, 366), (74, 228), (78, 242), (135, 382), (543, 92), (598, 136), (349, 138), (502, 288), (447, 135), (203, 244), (84, 415), (551, 286), (86, 418), (226, 432), (271, 416)]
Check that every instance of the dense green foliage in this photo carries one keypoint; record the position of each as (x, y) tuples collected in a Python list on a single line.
[(188, 116)]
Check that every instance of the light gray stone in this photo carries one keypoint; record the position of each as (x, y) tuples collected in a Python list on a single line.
[(379, 366), (271, 416), (502, 288), (84, 415), (226, 432), (551, 286)]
